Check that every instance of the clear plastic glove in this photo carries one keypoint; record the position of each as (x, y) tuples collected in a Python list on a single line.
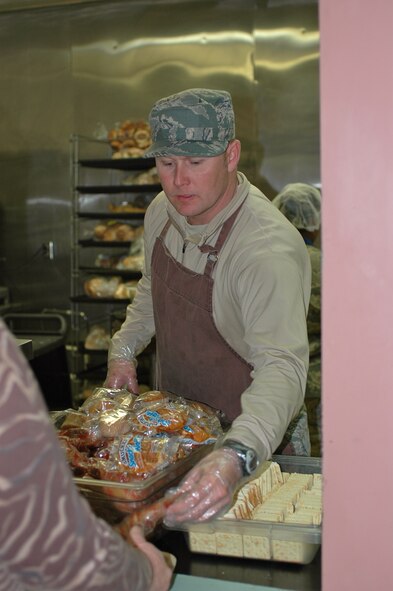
[(161, 568), (207, 489), (122, 374)]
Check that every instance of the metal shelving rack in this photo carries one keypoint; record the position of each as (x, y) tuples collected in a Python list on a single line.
[(93, 157)]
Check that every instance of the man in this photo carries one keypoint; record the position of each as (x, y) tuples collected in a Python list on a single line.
[(225, 290)]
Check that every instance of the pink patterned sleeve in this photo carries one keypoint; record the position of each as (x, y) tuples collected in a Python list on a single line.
[(49, 537)]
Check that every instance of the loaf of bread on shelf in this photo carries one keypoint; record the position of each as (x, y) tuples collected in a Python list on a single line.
[(115, 232), (126, 290), (97, 339), (101, 287), (105, 261), (131, 263), (109, 287)]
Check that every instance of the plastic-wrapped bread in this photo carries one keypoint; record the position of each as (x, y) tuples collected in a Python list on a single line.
[(101, 287)]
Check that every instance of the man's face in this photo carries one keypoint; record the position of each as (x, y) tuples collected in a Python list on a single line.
[(199, 188)]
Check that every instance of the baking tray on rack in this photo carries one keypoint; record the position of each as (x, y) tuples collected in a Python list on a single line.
[(119, 163)]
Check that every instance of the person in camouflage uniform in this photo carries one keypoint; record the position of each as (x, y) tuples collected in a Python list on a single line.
[(225, 291), (301, 205)]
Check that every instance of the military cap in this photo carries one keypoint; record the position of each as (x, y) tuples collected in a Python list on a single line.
[(195, 122)]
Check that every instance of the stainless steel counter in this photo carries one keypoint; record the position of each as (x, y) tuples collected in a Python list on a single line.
[(34, 346), (26, 346)]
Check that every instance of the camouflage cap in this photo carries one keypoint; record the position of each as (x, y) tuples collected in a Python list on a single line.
[(195, 122)]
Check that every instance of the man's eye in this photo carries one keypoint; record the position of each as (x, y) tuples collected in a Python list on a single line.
[(194, 162)]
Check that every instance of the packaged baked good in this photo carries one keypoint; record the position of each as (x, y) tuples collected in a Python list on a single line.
[(130, 263), (98, 428), (126, 290), (101, 287), (97, 339)]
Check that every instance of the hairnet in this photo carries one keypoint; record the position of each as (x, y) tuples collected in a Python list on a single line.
[(301, 204)]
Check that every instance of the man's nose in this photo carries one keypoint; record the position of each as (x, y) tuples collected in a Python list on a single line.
[(181, 176)]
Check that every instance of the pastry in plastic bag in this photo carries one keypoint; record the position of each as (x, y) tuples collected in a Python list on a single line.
[(101, 287), (98, 339), (160, 419), (137, 455), (119, 437), (104, 399)]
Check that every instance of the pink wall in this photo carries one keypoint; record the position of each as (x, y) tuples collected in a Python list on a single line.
[(357, 185)]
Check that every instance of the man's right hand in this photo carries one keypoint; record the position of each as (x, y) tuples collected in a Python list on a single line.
[(122, 374)]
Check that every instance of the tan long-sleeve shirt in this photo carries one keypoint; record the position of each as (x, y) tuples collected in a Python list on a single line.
[(260, 300)]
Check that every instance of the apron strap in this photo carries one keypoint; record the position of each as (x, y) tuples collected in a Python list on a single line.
[(165, 229), (213, 251)]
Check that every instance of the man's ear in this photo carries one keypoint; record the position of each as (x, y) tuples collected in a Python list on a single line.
[(233, 154)]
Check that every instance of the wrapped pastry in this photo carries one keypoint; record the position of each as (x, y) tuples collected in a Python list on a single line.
[(105, 261), (98, 339), (103, 399), (151, 398), (101, 287), (131, 263), (138, 455), (125, 290), (121, 437), (160, 420)]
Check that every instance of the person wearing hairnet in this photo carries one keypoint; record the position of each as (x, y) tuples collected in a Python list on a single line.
[(49, 537), (225, 290), (301, 205)]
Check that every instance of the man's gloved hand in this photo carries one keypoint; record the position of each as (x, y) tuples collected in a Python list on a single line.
[(207, 489), (122, 374)]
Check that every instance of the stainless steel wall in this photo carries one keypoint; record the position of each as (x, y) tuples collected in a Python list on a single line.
[(75, 67)]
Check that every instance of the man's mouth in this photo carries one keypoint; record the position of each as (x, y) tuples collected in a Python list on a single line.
[(184, 197)]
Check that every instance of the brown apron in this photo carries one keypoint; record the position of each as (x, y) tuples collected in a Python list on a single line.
[(193, 359)]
